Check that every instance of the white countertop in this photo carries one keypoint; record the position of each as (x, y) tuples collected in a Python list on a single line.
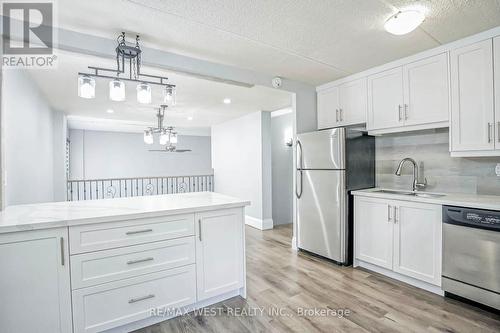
[(62, 214), (491, 202)]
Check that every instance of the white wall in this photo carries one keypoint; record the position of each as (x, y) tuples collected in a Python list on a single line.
[(28, 125), (282, 168), (241, 162), (97, 154)]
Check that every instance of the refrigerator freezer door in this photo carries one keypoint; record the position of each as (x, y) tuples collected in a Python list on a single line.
[(321, 150), (322, 218)]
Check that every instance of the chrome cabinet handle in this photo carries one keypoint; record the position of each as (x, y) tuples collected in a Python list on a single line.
[(406, 111), (131, 262), (489, 132), (388, 213), (336, 115), (341, 114), (399, 112), (297, 192), (61, 244), (395, 214), (142, 298), (138, 231), (199, 229)]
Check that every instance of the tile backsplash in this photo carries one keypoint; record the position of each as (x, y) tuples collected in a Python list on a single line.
[(430, 149)]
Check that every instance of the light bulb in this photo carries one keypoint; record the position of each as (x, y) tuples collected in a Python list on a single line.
[(143, 93), (173, 138), (404, 22), (86, 86), (117, 90), (170, 95), (164, 138), (148, 137)]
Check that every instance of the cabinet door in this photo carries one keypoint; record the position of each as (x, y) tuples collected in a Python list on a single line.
[(352, 102), (496, 65), (472, 97), (373, 231), (219, 252), (426, 90), (385, 99), (417, 241), (328, 104), (35, 282)]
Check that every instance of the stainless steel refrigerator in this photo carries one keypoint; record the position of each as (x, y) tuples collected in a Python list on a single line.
[(331, 163)]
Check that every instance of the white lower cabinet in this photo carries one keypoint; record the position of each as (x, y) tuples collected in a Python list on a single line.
[(219, 252), (35, 293), (118, 303), (400, 236)]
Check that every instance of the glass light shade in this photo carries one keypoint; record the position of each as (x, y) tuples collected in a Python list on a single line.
[(170, 96), (404, 22), (143, 93), (86, 87), (148, 137), (164, 138), (173, 138), (117, 90)]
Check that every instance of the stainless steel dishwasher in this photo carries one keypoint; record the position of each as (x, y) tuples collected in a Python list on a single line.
[(471, 254)]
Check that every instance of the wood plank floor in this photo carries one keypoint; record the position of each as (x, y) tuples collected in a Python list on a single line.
[(281, 283)]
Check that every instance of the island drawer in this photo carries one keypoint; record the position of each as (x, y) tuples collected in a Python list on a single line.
[(109, 235), (110, 305), (99, 267)]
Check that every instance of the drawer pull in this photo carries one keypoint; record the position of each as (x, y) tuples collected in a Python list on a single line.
[(138, 231), (138, 299), (131, 262)]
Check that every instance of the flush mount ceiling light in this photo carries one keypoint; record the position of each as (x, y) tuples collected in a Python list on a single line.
[(110, 111), (128, 68), (404, 22), (227, 100), (86, 87)]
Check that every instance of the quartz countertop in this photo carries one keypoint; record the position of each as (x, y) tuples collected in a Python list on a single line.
[(491, 202), (63, 214)]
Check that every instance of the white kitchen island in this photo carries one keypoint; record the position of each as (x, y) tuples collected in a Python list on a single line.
[(118, 264)]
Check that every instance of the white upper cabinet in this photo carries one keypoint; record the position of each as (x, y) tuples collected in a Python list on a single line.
[(342, 105), (472, 115), (352, 102), (496, 52), (385, 99), (426, 91), (410, 97), (328, 104)]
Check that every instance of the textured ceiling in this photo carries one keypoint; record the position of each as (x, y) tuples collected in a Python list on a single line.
[(312, 41), (200, 99)]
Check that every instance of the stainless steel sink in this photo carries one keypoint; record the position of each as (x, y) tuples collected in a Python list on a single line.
[(414, 194)]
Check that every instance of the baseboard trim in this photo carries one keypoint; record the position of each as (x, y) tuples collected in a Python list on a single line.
[(261, 224)]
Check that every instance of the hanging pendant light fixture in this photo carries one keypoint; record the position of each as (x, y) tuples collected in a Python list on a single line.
[(86, 86), (164, 137), (144, 93), (128, 68), (117, 90), (148, 136), (169, 96)]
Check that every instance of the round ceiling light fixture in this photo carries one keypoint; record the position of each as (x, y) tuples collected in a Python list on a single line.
[(404, 22), (227, 100)]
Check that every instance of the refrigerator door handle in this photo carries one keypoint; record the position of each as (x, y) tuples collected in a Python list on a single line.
[(299, 169)]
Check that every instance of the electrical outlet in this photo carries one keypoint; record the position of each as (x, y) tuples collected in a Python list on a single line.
[(497, 169)]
